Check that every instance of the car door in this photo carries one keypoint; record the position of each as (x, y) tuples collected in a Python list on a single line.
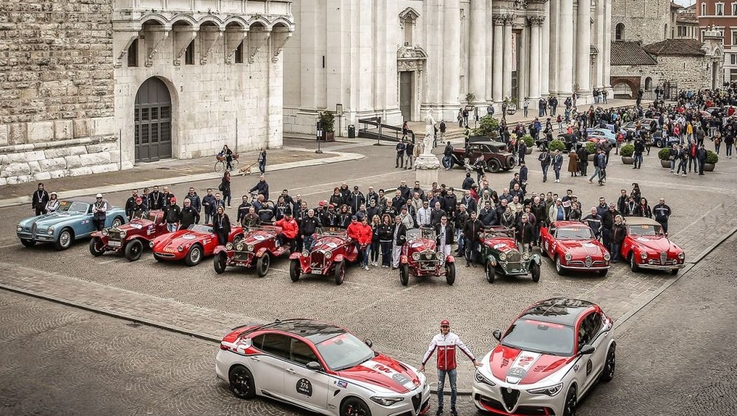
[(85, 226), (268, 368), (547, 239), (591, 326), (308, 388)]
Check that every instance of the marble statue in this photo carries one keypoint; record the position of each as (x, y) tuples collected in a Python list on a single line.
[(429, 133)]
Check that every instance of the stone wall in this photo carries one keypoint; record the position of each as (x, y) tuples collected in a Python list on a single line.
[(56, 89), (689, 73), (644, 20)]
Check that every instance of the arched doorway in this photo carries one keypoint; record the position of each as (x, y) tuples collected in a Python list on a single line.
[(622, 90), (152, 115)]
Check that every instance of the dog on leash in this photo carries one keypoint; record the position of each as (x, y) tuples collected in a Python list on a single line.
[(246, 170)]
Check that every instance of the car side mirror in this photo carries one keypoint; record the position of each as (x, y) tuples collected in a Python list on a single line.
[(497, 335), (587, 350), (368, 342), (314, 366)]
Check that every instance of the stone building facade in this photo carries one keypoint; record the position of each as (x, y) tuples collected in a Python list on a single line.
[(399, 58), (721, 15), (98, 85), (646, 21)]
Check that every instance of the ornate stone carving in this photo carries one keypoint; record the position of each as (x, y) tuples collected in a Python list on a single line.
[(408, 14), (498, 19), (520, 4), (509, 19), (535, 20)]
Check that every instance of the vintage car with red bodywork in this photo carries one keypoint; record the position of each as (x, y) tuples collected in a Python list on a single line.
[(257, 248), (645, 247), (573, 246), (331, 252), (131, 238), (419, 257), (191, 245), (500, 254)]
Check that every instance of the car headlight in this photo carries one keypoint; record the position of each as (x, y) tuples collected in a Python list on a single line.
[(525, 257), (250, 247), (386, 401), (19, 228), (643, 255), (50, 231), (415, 256), (483, 379), (229, 246), (151, 244), (681, 256), (305, 253), (568, 257), (502, 257), (607, 256), (328, 254), (105, 232), (240, 246), (180, 248), (123, 233), (551, 391)]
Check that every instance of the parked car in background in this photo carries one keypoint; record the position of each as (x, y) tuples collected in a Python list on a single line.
[(573, 247), (420, 257), (500, 255), (131, 238), (329, 255), (646, 247), (258, 247), (495, 154), (191, 245)]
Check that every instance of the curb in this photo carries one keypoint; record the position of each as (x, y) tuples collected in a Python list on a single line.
[(340, 157)]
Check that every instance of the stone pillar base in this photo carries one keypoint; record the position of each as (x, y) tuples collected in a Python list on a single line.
[(427, 168)]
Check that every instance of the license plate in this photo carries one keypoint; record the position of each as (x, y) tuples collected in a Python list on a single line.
[(114, 243)]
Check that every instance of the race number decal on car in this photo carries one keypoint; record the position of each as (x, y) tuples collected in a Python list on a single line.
[(304, 387)]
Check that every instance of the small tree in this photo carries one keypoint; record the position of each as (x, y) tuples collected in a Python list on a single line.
[(470, 97), (557, 145), (711, 157), (327, 119), (489, 126), (529, 141), (627, 150), (591, 147), (664, 154)]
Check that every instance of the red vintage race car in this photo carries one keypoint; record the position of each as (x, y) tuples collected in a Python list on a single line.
[(191, 245), (129, 238), (331, 252), (419, 257), (646, 247), (257, 247), (573, 246)]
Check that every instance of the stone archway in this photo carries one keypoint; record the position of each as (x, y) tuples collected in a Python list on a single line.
[(152, 121)]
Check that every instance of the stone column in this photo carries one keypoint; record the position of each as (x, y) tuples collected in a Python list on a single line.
[(477, 51), (434, 47), (552, 38), (507, 68), (451, 57), (565, 49), (498, 64), (545, 71), (535, 24), (606, 57), (583, 48), (599, 81)]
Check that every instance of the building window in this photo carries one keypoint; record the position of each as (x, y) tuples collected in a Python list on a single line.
[(720, 9), (648, 84), (239, 53), (133, 54), (189, 54), (703, 9), (619, 32), (703, 32), (733, 58), (734, 9)]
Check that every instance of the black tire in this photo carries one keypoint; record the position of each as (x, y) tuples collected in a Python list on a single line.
[(404, 274), (450, 273), (559, 267), (490, 272), (611, 362), (262, 264), (220, 262), (571, 402), (194, 255), (133, 250), (494, 166), (535, 272), (241, 383), (27, 243), (65, 240), (674, 272), (117, 222), (633, 264), (354, 406), (97, 248), (340, 273), (603, 273), (294, 270), (658, 143)]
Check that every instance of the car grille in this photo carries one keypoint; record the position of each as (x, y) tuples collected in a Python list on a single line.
[(242, 255), (317, 259), (417, 401), (514, 256), (114, 235), (510, 397), (522, 410), (588, 261), (34, 228), (663, 257)]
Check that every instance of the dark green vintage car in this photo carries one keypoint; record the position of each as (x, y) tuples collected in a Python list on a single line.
[(500, 254)]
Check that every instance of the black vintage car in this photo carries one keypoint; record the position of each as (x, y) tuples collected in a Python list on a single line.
[(495, 153), (571, 141)]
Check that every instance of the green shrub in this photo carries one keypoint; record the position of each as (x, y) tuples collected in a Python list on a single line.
[(711, 157), (489, 127), (627, 150), (664, 154), (591, 147), (529, 141), (557, 145)]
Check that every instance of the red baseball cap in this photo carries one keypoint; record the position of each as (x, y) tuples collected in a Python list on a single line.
[(444, 322), (173, 199)]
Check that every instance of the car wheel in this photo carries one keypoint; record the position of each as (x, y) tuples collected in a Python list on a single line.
[(294, 270), (404, 274), (603, 273), (494, 166), (353, 406), (133, 250), (340, 273), (65, 239), (559, 267), (658, 143), (241, 382), (571, 402), (450, 273), (611, 361), (117, 222), (194, 256), (262, 264), (490, 272), (220, 262), (27, 243), (535, 272), (97, 247), (674, 272), (633, 263)]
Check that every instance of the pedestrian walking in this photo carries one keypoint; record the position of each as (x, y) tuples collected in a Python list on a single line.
[(225, 188), (262, 161), (399, 161), (544, 159), (557, 164)]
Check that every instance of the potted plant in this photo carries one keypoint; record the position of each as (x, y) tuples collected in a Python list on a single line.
[(664, 156), (529, 142), (470, 98), (557, 145), (327, 121), (626, 152), (591, 148), (711, 160), (488, 127)]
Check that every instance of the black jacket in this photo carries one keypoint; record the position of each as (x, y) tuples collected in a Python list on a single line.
[(308, 226), (221, 224), (263, 189), (40, 198), (449, 232), (401, 234), (189, 216), (173, 214), (472, 229)]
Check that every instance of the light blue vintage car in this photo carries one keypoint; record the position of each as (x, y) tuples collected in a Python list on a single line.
[(72, 221)]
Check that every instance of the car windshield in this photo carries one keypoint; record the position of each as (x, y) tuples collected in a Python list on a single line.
[(644, 229), (200, 228), (541, 337), (73, 207), (344, 351), (574, 233)]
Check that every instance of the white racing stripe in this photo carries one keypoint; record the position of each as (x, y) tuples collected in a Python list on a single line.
[(522, 364), (390, 373)]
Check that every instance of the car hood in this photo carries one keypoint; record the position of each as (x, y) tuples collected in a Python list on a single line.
[(257, 236), (385, 373), (502, 244), (136, 224), (581, 246), (328, 243), (48, 220), (422, 244), (524, 367), (182, 237), (655, 242)]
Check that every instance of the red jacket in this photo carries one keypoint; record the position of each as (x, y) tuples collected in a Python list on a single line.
[(288, 227), (446, 346), (360, 233)]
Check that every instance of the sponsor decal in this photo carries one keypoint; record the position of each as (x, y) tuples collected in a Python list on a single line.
[(342, 384), (136, 226), (331, 245), (521, 366), (304, 387), (150, 230), (576, 368), (169, 250), (189, 237), (388, 372), (259, 237), (589, 245)]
